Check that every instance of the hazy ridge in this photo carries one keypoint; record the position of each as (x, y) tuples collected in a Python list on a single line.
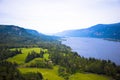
[(107, 31)]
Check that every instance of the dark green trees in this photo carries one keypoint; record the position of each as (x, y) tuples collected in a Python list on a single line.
[(33, 76), (8, 71), (33, 55), (62, 72), (6, 53)]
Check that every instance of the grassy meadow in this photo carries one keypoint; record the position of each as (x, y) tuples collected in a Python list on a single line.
[(20, 58), (52, 74), (84, 76), (48, 74)]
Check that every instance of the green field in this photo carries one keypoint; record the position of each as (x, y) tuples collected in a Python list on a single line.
[(83, 76), (49, 74), (20, 58), (32, 62)]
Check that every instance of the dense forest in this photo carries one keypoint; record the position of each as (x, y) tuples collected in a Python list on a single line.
[(8, 71), (15, 36), (69, 62)]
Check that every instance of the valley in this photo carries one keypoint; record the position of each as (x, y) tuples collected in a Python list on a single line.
[(29, 55), (59, 39)]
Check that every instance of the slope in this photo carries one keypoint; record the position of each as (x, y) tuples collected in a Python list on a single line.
[(111, 31), (15, 36)]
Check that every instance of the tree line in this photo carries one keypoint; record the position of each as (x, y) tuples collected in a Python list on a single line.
[(71, 62), (41, 63), (9, 71), (33, 55), (6, 53)]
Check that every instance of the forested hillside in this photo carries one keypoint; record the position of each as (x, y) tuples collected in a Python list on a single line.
[(14, 36), (107, 31)]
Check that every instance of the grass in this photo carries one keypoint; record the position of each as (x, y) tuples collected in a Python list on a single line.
[(31, 62), (20, 58), (84, 76), (50, 74), (46, 56)]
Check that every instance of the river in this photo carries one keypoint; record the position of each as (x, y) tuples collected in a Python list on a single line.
[(94, 47)]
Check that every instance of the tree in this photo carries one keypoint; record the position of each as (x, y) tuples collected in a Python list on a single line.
[(8, 71)]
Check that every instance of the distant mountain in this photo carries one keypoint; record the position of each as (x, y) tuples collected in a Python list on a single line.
[(11, 35), (108, 31)]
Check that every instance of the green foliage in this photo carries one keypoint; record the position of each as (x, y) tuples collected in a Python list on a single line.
[(40, 63), (20, 58), (74, 63), (52, 74), (6, 53), (8, 71), (46, 56), (48, 74), (33, 55), (34, 61), (13, 37), (58, 54), (70, 63), (33, 76), (62, 72)]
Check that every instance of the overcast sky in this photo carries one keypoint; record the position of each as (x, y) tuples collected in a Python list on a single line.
[(51, 16)]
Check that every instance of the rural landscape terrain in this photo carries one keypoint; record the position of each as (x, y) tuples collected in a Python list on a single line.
[(26, 54), (59, 39)]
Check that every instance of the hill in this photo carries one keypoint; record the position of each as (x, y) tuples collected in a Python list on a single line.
[(36, 56), (11, 35), (109, 31)]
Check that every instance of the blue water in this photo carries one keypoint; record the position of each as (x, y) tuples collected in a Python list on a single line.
[(97, 48)]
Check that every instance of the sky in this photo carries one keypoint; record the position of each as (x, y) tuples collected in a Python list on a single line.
[(51, 16)]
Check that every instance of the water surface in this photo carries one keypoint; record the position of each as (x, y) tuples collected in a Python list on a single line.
[(97, 48)]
